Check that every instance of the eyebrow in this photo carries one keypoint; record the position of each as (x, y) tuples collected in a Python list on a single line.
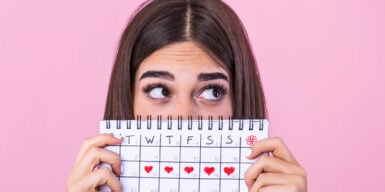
[(212, 76), (158, 74)]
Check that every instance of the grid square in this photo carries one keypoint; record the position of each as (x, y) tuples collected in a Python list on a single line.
[(231, 186), (189, 170), (230, 154), (210, 155), (245, 151), (230, 171), (131, 169), (148, 184), (190, 140), (192, 184), (170, 140), (190, 154), (149, 153), (131, 140), (242, 186), (150, 140), (169, 154), (210, 170), (244, 167), (211, 140), (129, 184), (230, 141), (129, 153), (169, 170), (149, 169), (209, 185), (168, 185)]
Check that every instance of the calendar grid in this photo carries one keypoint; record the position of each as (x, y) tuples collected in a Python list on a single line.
[(195, 158)]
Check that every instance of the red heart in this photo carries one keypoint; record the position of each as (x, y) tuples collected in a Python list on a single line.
[(209, 170), (188, 169), (229, 170), (148, 168), (168, 169)]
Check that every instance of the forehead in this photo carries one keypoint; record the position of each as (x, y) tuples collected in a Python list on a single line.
[(182, 58)]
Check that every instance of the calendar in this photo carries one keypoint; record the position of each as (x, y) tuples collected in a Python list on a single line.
[(184, 155)]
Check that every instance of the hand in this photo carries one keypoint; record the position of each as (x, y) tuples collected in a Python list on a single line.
[(278, 172), (85, 175)]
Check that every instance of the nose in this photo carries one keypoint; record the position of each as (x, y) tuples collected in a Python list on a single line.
[(184, 107)]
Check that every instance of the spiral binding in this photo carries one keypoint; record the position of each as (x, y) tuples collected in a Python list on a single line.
[(189, 120)]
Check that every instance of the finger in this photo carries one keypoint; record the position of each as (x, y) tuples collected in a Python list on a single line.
[(281, 188), (274, 145), (102, 176), (271, 165), (95, 156), (267, 179), (101, 140)]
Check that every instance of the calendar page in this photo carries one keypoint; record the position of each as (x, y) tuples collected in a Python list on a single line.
[(184, 155)]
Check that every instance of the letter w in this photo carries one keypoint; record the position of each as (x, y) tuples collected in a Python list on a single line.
[(150, 140)]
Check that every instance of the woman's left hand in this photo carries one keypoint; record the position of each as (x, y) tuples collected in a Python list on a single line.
[(278, 172)]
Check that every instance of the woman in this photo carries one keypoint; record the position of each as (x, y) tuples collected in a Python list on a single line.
[(186, 57)]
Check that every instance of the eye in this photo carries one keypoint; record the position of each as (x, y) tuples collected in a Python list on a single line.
[(213, 93), (157, 91)]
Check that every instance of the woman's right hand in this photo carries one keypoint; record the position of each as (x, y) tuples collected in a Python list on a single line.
[(86, 175)]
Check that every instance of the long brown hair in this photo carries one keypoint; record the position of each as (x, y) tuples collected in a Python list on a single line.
[(210, 23)]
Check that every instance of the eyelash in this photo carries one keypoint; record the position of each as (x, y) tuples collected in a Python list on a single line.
[(150, 87), (222, 89)]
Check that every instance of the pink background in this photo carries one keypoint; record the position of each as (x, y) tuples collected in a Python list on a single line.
[(322, 64)]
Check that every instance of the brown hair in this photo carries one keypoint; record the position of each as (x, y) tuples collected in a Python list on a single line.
[(210, 23)]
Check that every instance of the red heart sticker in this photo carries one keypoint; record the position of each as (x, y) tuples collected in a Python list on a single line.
[(209, 170), (229, 170), (188, 170), (168, 169), (148, 168)]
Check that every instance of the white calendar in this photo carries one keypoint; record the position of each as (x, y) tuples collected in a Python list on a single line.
[(184, 155)]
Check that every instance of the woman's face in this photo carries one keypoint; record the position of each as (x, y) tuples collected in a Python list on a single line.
[(182, 79)]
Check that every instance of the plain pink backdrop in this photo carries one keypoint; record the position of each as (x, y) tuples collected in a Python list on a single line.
[(322, 64)]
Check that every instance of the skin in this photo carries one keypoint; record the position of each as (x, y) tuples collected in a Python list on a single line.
[(189, 71), (182, 79)]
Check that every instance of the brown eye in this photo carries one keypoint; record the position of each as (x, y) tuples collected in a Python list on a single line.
[(216, 93), (165, 92), (212, 94), (158, 92)]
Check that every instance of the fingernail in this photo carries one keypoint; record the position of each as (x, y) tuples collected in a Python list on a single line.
[(118, 137), (96, 167), (251, 152)]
